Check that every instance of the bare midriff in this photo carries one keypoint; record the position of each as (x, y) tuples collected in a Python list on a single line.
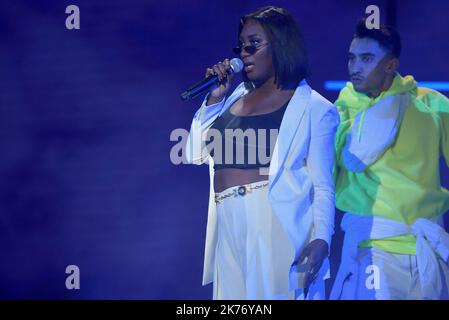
[(231, 177)]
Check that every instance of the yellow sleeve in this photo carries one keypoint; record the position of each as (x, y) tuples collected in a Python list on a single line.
[(445, 133), (340, 136), (439, 104), (442, 107)]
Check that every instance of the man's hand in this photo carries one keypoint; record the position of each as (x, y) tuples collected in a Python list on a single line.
[(316, 251)]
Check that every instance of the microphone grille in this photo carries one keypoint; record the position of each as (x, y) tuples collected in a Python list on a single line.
[(236, 65)]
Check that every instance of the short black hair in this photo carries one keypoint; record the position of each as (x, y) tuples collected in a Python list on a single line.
[(288, 49), (387, 36)]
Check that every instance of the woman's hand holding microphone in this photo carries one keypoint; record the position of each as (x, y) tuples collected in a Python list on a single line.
[(220, 70)]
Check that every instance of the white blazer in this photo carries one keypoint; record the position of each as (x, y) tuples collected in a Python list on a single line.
[(301, 187)]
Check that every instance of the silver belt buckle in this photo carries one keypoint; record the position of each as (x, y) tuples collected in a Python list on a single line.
[(241, 190)]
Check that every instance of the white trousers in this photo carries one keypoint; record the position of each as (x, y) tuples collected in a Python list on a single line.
[(253, 251), (388, 276)]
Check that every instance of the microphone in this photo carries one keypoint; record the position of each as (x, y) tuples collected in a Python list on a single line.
[(210, 81)]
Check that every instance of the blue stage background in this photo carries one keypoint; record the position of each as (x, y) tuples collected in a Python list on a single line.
[(85, 123)]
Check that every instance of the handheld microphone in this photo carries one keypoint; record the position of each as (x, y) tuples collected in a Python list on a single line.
[(210, 81)]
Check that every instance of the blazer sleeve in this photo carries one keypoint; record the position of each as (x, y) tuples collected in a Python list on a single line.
[(320, 161), (196, 152)]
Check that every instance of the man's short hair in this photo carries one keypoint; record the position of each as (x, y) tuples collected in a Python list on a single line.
[(387, 36)]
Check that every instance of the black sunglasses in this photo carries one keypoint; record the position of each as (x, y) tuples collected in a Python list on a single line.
[(251, 49)]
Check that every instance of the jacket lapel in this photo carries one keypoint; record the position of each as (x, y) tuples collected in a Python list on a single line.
[(289, 125)]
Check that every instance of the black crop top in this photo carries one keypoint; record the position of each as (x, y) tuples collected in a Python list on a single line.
[(244, 142)]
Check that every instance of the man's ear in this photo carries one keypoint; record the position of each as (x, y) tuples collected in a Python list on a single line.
[(392, 65)]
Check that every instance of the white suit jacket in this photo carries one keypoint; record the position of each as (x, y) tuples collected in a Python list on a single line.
[(301, 188)]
